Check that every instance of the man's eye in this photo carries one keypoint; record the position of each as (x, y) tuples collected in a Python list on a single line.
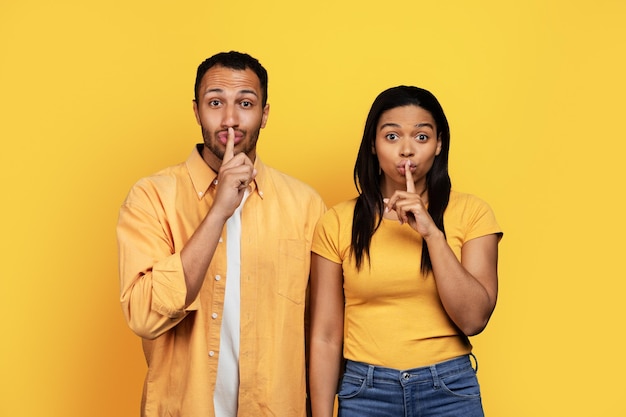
[(246, 104), (214, 103), (422, 137)]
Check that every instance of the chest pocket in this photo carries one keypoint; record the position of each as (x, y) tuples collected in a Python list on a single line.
[(293, 269)]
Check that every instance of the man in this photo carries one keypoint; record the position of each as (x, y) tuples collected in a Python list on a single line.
[(214, 262)]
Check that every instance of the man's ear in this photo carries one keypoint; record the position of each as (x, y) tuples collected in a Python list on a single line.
[(195, 111), (266, 114)]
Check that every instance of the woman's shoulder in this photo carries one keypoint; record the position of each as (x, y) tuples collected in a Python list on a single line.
[(462, 199), (470, 211), (465, 205), (341, 213), (344, 206)]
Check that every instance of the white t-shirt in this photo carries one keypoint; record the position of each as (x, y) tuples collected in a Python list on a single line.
[(227, 384)]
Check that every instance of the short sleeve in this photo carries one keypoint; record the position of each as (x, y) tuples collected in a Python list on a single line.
[(482, 220), (326, 237)]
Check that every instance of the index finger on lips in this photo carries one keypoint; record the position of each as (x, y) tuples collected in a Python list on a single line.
[(410, 185), (229, 153)]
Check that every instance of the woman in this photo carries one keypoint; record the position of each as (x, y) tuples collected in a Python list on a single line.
[(401, 275)]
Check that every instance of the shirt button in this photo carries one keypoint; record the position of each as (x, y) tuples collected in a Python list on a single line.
[(200, 193), (211, 353), (221, 240), (261, 193), (217, 277), (214, 315)]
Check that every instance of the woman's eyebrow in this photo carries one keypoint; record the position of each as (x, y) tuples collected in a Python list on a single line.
[(389, 125), (396, 125)]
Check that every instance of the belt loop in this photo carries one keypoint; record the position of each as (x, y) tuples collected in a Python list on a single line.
[(433, 371), (370, 376), (475, 364)]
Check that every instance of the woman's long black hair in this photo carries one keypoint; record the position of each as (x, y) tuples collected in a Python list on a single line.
[(368, 212)]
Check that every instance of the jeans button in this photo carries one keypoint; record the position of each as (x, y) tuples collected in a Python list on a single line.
[(406, 375)]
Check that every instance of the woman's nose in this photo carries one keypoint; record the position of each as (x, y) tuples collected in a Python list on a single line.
[(406, 148)]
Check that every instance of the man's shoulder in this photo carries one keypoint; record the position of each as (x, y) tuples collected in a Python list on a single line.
[(166, 174), (158, 182), (282, 180)]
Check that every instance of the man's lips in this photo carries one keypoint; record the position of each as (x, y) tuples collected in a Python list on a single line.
[(223, 137)]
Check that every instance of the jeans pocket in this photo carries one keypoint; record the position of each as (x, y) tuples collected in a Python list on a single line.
[(351, 386), (462, 384)]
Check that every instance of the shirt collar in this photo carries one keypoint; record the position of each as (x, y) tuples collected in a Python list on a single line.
[(203, 177)]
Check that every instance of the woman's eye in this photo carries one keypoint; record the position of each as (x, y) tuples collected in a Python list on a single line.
[(391, 136)]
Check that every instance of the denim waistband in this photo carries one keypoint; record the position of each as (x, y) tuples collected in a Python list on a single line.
[(424, 373)]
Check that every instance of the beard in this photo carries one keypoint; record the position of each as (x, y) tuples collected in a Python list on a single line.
[(213, 144)]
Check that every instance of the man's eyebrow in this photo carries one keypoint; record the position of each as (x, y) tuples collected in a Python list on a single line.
[(240, 92), (212, 90), (248, 92)]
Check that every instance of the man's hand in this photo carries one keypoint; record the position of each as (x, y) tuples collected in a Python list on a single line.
[(235, 174)]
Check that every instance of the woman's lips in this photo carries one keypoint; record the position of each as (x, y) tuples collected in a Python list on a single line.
[(402, 167)]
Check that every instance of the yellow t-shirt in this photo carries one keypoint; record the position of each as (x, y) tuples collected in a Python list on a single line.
[(393, 314)]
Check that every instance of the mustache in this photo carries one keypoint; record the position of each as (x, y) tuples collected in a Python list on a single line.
[(236, 130)]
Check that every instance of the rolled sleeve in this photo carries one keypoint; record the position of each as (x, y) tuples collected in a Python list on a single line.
[(152, 279), (169, 288)]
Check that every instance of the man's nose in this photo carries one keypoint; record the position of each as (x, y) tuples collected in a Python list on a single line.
[(230, 117)]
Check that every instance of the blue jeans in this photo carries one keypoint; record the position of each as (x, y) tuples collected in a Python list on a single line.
[(447, 389)]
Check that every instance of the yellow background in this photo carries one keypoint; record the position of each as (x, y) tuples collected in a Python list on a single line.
[(94, 95)]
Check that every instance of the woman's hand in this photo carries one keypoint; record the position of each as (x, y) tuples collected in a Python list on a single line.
[(410, 208)]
